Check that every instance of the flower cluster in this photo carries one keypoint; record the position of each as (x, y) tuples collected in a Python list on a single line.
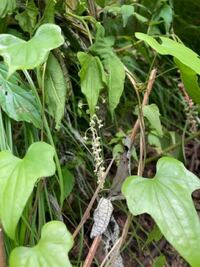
[(99, 170), (191, 110)]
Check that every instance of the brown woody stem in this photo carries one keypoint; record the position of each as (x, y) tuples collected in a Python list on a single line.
[(2, 253)]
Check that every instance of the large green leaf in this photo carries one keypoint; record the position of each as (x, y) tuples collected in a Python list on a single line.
[(92, 78), (167, 198), (173, 48), (116, 73), (116, 76), (19, 103), (55, 89), (28, 18), (18, 178), (187, 60), (7, 7), (190, 80), (20, 54), (51, 251)]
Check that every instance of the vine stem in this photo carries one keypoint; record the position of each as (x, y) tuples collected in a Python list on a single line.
[(136, 127), (133, 135), (2, 254), (87, 212), (145, 99), (97, 240), (92, 252), (82, 19), (173, 147)]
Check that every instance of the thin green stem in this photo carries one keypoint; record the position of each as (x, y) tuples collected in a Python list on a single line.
[(82, 19), (172, 147), (50, 138), (3, 142), (8, 125), (33, 87), (43, 100)]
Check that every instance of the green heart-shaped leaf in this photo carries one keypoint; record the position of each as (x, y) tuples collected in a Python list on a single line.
[(18, 102), (167, 198), (173, 48), (186, 59), (51, 251), (112, 64), (17, 180), (92, 78), (22, 55)]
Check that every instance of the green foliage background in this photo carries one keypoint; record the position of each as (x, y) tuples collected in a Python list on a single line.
[(63, 75)]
